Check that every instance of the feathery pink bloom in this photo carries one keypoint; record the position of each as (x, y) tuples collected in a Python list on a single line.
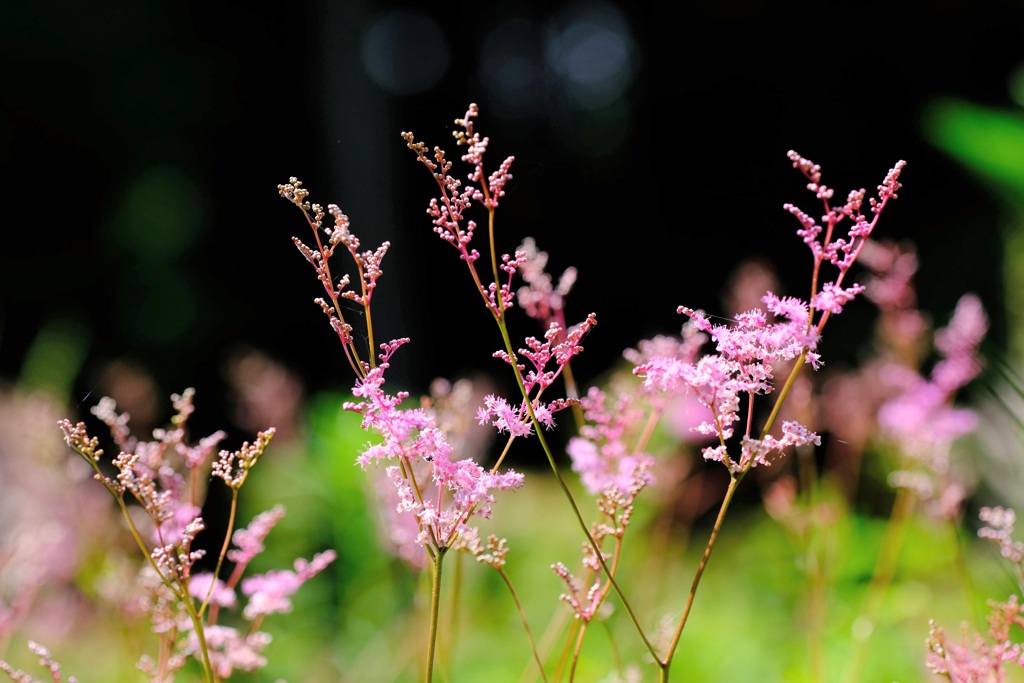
[(447, 492), (248, 541), (271, 592), (600, 453)]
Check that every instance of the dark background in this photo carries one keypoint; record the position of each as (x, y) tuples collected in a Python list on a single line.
[(142, 143)]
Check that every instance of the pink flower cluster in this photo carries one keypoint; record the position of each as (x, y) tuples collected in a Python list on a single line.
[(440, 493), (750, 350), (447, 211), (557, 346), (980, 659), (921, 418), (161, 475), (600, 453)]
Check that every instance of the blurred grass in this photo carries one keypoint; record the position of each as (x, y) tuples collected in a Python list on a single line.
[(748, 623), (363, 619)]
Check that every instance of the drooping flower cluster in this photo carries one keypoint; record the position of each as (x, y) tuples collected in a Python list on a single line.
[(441, 494)]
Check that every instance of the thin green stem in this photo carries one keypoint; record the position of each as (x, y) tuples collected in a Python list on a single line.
[(813, 564), (220, 558), (435, 605), (962, 574), (734, 482), (881, 578), (526, 623), (503, 328)]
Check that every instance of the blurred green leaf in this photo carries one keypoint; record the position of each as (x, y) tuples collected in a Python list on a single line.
[(988, 141)]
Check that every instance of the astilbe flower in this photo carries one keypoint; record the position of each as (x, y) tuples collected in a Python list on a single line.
[(743, 366), (51, 516), (162, 477), (45, 660), (448, 210), (600, 454), (441, 494), (977, 659), (557, 347), (921, 418), (749, 350), (368, 268)]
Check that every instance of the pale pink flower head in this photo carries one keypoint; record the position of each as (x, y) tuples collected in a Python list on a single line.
[(199, 586), (248, 541), (230, 650), (601, 454), (540, 297), (271, 592), (998, 527), (921, 417)]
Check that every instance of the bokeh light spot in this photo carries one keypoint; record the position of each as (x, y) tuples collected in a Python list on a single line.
[(593, 55), (405, 52)]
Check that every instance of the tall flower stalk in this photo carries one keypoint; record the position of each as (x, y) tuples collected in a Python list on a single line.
[(748, 353), (163, 478)]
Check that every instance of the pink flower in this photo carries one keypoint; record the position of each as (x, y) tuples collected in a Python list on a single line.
[(271, 592), (460, 489), (248, 542), (199, 586), (600, 453), (230, 651)]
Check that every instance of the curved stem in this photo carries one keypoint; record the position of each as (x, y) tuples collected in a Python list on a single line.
[(526, 623), (220, 558)]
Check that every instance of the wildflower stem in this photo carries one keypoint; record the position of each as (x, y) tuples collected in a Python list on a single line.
[(526, 623), (962, 574), (885, 568), (220, 558), (435, 604), (576, 651), (782, 394), (499, 315), (814, 563), (572, 501), (734, 482)]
